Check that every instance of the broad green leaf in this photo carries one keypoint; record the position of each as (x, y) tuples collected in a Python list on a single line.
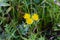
[(4, 4)]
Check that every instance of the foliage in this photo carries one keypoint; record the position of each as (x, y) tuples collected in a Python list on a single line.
[(46, 20)]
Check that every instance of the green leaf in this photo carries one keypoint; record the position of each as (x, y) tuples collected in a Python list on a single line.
[(42, 38), (3, 0), (4, 4), (36, 1), (0, 10)]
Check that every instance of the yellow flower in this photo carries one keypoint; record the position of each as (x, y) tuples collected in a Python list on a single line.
[(26, 16), (29, 21), (35, 17)]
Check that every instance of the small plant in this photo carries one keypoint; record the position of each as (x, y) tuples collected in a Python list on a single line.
[(29, 20)]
